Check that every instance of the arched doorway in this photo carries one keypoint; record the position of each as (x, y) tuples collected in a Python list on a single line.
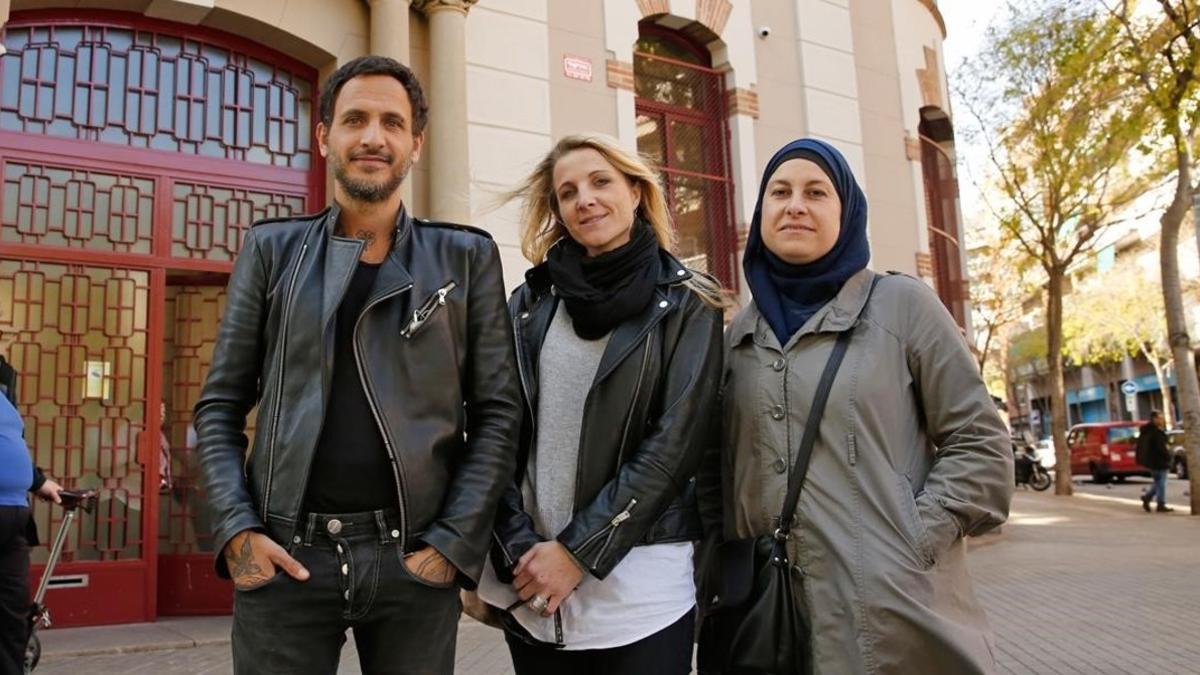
[(134, 156), (682, 124)]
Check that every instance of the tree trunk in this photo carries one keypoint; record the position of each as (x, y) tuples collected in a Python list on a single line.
[(1163, 386), (1177, 333), (1058, 394)]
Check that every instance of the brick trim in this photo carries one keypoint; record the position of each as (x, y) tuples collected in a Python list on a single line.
[(714, 14), (742, 102), (931, 5), (912, 148), (924, 265), (619, 74), (930, 80), (652, 7)]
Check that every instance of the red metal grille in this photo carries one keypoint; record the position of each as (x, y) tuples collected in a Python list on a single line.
[(682, 126), (209, 222), (192, 317), (146, 89), (78, 339), (76, 208)]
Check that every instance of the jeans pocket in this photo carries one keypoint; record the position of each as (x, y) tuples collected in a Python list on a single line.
[(418, 578), (254, 588)]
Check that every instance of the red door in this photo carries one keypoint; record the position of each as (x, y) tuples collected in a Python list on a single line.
[(133, 161)]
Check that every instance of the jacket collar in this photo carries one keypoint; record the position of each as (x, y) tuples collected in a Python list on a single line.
[(838, 315), (341, 259)]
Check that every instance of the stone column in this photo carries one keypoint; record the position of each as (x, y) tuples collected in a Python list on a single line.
[(389, 37), (446, 137)]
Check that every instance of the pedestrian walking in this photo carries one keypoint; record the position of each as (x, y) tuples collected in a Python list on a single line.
[(908, 457), (18, 478), (1154, 453), (619, 350), (378, 350)]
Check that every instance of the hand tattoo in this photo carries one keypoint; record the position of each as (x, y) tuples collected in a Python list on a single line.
[(435, 568), (242, 566)]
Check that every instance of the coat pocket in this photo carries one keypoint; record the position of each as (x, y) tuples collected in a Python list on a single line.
[(916, 533)]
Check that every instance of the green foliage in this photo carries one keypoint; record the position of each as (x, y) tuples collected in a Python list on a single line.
[(1114, 317), (1063, 124), (1028, 347)]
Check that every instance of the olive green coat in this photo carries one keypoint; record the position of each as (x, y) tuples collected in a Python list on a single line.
[(912, 455)]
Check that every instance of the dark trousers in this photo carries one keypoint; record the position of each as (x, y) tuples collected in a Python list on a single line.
[(667, 652), (358, 581), (14, 589)]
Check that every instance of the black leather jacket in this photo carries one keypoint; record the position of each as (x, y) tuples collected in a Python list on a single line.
[(648, 423), (435, 348)]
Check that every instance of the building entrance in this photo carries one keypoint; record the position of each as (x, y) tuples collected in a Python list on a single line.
[(133, 162)]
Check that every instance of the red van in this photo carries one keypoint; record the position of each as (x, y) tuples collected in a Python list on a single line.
[(1106, 450)]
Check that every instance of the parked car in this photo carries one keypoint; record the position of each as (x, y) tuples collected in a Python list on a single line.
[(1175, 440), (1105, 450)]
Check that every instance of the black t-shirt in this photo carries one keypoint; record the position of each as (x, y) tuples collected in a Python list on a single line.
[(351, 470)]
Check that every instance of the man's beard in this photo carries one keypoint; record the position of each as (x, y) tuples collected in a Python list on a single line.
[(366, 191)]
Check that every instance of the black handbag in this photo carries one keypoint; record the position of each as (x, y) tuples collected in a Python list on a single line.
[(752, 624)]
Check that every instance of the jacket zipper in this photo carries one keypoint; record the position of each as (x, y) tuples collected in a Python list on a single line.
[(508, 561), (637, 389), (609, 530), (387, 442), (287, 313), (426, 310), (521, 375)]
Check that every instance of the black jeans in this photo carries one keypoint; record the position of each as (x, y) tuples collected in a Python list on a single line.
[(667, 652), (358, 580), (14, 589)]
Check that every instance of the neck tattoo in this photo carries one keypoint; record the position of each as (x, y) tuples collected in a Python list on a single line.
[(367, 236)]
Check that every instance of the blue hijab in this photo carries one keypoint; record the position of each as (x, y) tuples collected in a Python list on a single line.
[(787, 295)]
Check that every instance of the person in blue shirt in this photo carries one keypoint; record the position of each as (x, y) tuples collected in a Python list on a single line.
[(18, 477)]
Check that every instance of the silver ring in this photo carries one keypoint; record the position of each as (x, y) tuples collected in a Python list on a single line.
[(538, 604)]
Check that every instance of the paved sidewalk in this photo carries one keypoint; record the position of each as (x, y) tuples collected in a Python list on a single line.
[(1079, 586)]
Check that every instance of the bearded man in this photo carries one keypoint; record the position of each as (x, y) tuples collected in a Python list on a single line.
[(377, 350)]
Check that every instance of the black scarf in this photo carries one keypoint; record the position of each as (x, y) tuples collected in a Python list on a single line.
[(603, 291)]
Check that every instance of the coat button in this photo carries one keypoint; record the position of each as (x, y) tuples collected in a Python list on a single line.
[(777, 412), (395, 534), (779, 364), (780, 466), (524, 315), (663, 304), (680, 273)]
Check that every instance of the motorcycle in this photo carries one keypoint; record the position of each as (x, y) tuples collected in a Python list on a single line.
[(1028, 469)]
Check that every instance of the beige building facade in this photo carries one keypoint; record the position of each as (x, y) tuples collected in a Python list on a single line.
[(140, 138)]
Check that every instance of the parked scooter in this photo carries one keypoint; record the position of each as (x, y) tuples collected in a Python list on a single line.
[(1027, 468), (39, 615)]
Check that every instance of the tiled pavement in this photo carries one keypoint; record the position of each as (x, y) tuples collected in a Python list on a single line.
[(1082, 586)]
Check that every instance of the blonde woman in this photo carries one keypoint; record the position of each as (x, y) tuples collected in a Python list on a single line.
[(619, 351)]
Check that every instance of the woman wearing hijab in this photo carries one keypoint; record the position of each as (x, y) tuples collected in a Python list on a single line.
[(619, 350), (910, 455)]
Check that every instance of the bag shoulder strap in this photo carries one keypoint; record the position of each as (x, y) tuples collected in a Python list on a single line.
[(813, 424)]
